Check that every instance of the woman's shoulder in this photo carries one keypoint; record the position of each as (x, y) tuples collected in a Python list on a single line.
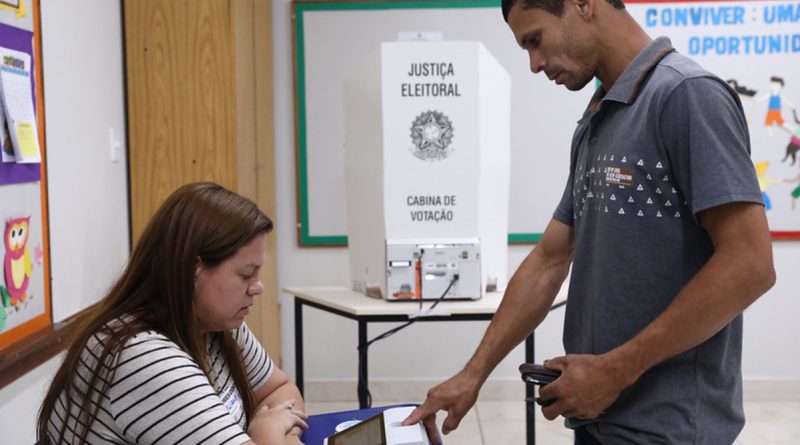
[(149, 352), (129, 337)]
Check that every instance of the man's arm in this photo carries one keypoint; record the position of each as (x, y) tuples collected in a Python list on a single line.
[(526, 302), (739, 271), (527, 299)]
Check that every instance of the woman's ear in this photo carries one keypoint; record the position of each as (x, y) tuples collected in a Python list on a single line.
[(198, 267)]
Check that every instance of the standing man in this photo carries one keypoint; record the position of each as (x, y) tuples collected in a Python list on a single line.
[(663, 224)]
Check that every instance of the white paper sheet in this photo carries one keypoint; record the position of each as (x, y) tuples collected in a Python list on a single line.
[(15, 84)]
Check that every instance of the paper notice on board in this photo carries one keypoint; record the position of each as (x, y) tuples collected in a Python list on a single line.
[(15, 86), (18, 6), (6, 147)]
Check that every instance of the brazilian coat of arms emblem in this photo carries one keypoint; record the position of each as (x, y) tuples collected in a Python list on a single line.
[(432, 135)]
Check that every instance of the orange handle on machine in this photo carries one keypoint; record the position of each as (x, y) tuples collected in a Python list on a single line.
[(417, 294), (418, 284)]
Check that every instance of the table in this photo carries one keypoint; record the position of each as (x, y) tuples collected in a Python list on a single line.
[(356, 306), (321, 426)]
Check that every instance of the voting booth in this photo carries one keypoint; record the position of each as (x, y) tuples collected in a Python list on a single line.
[(427, 148)]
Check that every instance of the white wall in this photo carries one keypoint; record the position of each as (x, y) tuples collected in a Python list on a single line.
[(19, 403), (88, 198), (88, 192), (330, 341), (771, 330)]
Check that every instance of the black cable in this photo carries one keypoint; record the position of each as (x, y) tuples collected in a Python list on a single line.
[(421, 253), (362, 350)]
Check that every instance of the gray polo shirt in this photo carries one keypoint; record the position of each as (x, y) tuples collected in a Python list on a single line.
[(668, 141)]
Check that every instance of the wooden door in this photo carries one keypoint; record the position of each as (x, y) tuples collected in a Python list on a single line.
[(199, 90)]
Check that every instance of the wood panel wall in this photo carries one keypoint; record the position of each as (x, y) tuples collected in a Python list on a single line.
[(256, 143), (181, 119), (199, 80)]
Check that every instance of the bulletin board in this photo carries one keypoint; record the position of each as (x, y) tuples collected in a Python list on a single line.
[(748, 42), (24, 281)]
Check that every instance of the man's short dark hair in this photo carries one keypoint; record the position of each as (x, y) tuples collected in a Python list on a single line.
[(555, 7)]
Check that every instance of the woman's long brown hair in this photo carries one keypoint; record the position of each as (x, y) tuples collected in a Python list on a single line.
[(155, 293)]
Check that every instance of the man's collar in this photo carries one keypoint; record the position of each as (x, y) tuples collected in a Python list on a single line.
[(626, 88)]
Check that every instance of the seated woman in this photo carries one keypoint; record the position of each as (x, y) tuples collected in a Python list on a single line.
[(166, 357)]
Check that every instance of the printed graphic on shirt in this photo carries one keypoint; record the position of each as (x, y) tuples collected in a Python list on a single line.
[(619, 175), (626, 186)]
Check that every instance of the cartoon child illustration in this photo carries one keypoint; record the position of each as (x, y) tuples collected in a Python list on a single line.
[(765, 181), (796, 192), (746, 95), (794, 140), (775, 105)]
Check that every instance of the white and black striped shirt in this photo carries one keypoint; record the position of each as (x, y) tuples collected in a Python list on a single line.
[(159, 395)]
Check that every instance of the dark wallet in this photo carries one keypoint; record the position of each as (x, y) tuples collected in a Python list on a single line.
[(537, 374)]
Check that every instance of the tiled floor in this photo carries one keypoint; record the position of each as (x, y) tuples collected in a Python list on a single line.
[(503, 423)]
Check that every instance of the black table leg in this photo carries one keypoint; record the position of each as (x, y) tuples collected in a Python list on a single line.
[(363, 380), (530, 406), (298, 344)]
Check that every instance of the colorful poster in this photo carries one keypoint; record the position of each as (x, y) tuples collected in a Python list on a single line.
[(754, 46), (24, 279)]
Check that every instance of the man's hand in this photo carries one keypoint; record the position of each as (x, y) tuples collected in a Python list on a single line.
[(456, 396), (588, 385)]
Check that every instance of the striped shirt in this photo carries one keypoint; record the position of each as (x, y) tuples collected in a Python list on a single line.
[(159, 395)]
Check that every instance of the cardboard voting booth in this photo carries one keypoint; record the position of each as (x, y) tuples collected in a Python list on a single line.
[(427, 171)]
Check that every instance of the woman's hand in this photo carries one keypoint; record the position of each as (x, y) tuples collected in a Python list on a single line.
[(271, 424)]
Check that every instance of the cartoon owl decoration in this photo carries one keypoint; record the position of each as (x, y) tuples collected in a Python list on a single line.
[(18, 259)]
